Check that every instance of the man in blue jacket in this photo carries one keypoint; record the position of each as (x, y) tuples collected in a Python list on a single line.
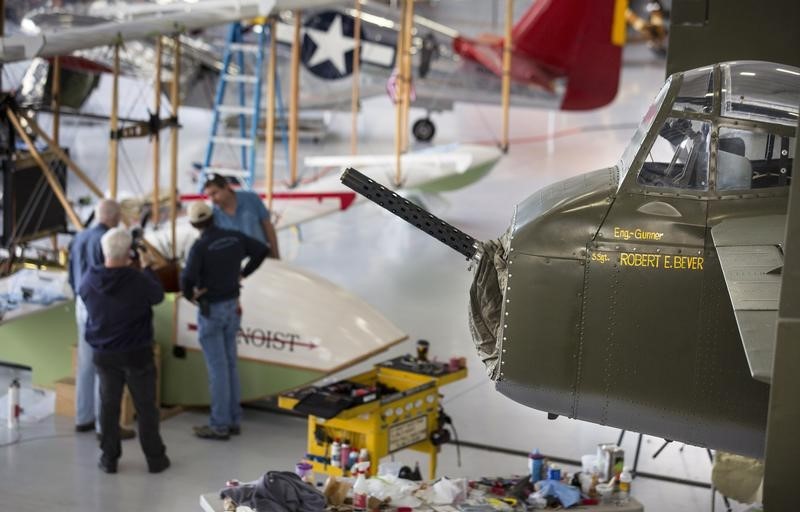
[(119, 300), (85, 252), (211, 279)]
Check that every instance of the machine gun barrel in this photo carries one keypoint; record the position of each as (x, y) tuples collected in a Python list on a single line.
[(411, 213)]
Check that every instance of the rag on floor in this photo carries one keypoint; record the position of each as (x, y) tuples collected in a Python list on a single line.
[(277, 491)]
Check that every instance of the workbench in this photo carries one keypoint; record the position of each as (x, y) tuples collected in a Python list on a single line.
[(392, 407), (211, 502)]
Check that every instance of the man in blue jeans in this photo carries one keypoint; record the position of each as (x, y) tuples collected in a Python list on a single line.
[(211, 279), (86, 252)]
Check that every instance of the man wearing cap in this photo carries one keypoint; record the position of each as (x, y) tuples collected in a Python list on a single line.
[(241, 210), (211, 279)]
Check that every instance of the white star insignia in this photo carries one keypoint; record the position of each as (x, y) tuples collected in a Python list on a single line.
[(332, 45)]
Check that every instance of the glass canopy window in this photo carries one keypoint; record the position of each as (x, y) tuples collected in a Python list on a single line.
[(761, 91), (697, 91), (678, 158)]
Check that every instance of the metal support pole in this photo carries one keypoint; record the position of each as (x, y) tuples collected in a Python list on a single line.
[(156, 210), (55, 100), (48, 173), (507, 49), (175, 98), (409, 33), (269, 158), (294, 99), (114, 143), (356, 78)]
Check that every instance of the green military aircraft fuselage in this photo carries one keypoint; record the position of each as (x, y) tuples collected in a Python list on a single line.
[(644, 296)]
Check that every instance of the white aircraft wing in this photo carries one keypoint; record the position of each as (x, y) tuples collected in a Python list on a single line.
[(418, 169), (160, 19), (297, 319)]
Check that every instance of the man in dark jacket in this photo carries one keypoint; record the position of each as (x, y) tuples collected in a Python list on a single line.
[(119, 301), (211, 279), (85, 252)]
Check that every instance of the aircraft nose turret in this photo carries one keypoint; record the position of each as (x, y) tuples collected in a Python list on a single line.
[(486, 293)]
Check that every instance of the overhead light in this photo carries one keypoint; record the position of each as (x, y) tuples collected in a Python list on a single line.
[(747, 73), (27, 25), (788, 71)]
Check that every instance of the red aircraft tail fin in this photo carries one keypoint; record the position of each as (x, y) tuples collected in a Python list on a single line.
[(582, 40)]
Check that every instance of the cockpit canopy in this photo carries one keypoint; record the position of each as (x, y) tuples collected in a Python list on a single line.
[(729, 127)]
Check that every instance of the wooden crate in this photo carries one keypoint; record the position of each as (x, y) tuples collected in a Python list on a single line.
[(65, 397)]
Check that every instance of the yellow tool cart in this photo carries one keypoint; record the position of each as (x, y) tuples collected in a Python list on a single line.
[(392, 407)]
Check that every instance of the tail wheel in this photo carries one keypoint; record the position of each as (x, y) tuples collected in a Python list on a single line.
[(423, 130)]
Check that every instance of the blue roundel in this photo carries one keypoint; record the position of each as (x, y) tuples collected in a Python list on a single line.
[(328, 44)]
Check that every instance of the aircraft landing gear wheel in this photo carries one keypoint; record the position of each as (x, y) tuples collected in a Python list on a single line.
[(423, 130)]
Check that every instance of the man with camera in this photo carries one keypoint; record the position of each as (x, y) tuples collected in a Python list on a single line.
[(211, 279), (85, 252), (119, 299)]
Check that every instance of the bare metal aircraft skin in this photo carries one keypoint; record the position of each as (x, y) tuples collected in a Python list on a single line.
[(566, 54), (644, 296)]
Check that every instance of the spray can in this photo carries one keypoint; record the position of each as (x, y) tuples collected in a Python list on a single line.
[(13, 404), (345, 454), (352, 458), (536, 465), (336, 454)]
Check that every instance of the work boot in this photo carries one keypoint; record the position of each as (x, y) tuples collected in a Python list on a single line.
[(158, 465), (85, 427), (206, 432), (107, 466), (235, 430)]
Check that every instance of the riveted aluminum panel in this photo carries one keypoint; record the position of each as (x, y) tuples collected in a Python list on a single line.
[(541, 314), (757, 329), (760, 230), (559, 219), (747, 274), (659, 353)]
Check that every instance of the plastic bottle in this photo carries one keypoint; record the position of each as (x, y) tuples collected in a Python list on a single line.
[(352, 459), (625, 479), (554, 473), (360, 497), (13, 405), (336, 454), (416, 475), (305, 471), (535, 465), (345, 454)]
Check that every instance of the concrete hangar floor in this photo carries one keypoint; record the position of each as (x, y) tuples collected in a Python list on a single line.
[(421, 286)]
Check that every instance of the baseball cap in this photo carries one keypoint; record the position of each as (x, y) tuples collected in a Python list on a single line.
[(199, 212)]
